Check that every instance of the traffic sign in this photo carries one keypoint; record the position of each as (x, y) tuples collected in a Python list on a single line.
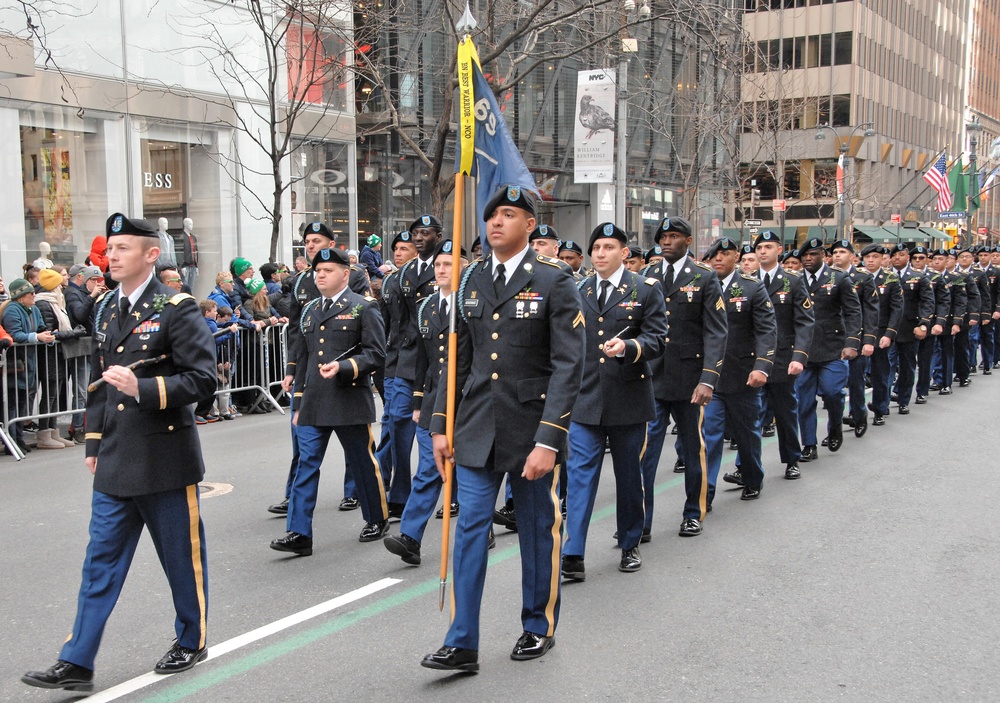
[(951, 215), (778, 205), (751, 223), (983, 230), (896, 219), (753, 230)]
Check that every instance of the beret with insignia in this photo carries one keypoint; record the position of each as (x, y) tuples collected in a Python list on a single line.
[(119, 224), (543, 232), (766, 236), (655, 251), (606, 230), (331, 256), (872, 249), (673, 224), (810, 244), (841, 244), (426, 221), (899, 248), (724, 244), (570, 245), (446, 247), (510, 195), (792, 254), (403, 236), (745, 249), (321, 229)]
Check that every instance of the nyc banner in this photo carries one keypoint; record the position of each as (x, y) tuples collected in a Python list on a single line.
[(594, 136)]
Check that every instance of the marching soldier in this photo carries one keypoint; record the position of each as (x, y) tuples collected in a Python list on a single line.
[(794, 319), (977, 311), (154, 359), (545, 241), (343, 342), (626, 327), (571, 254), (843, 258), (750, 341), (836, 339), (748, 260), (519, 373), (888, 325), (684, 378), (954, 284), (920, 320), (988, 288)]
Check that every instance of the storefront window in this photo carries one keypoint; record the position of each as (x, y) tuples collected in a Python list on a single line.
[(321, 176)]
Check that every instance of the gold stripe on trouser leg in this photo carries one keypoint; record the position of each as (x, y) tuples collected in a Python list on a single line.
[(451, 590), (556, 573), (194, 520), (378, 475), (703, 495)]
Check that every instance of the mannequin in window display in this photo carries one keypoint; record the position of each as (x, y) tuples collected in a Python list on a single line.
[(189, 254), (167, 255), (44, 260)]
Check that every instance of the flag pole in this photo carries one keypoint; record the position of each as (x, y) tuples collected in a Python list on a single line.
[(466, 141)]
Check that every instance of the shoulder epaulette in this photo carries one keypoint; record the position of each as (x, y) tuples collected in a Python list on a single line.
[(650, 281), (406, 267), (465, 281), (703, 265), (837, 268), (581, 282), (423, 306), (305, 308), (793, 274), (370, 299), (102, 302), (555, 263), (748, 277), (180, 297)]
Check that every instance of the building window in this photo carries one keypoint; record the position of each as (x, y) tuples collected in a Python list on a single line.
[(841, 115), (843, 43), (825, 49)]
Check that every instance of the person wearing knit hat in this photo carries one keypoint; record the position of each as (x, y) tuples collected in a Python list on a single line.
[(371, 258), (19, 288), (255, 286), (49, 279)]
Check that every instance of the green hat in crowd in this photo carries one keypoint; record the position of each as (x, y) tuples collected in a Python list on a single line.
[(240, 265), (374, 240), (255, 285), (19, 287)]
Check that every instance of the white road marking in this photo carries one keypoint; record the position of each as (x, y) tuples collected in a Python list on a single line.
[(215, 651)]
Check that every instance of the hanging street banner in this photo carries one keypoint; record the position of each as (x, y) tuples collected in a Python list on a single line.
[(594, 136)]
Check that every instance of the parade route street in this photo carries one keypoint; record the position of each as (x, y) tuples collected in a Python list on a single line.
[(873, 578)]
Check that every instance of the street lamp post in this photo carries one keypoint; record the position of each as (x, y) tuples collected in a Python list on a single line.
[(974, 128), (844, 146)]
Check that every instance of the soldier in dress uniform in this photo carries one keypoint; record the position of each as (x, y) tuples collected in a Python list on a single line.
[(836, 340), (545, 241), (887, 326), (154, 358), (571, 254), (794, 318), (920, 318), (987, 289), (433, 326), (792, 261), (750, 341), (977, 311), (633, 260), (748, 260), (416, 284), (316, 237), (342, 343), (685, 376), (843, 258), (653, 255), (519, 367), (954, 284), (626, 326)]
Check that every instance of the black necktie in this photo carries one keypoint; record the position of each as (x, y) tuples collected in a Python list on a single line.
[(668, 277), (125, 305), (444, 308), (327, 304), (605, 292), (420, 269), (500, 282), (767, 280)]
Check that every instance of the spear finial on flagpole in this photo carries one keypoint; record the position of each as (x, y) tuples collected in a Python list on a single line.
[(466, 23)]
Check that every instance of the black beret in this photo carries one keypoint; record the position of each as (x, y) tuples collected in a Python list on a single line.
[(119, 224), (673, 224), (841, 244), (570, 245), (792, 254), (724, 244), (746, 249), (953, 252), (634, 253), (655, 251), (766, 236), (445, 247), (962, 248), (606, 230), (514, 196), (873, 249), (331, 256), (426, 221), (320, 228), (938, 252), (403, 236), (810, 244), (899, 248), (543, 232)]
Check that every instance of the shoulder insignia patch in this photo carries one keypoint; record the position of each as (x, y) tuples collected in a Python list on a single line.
[(650, 281), (554, 263), (719, 305), (180, 297), (807, 303)]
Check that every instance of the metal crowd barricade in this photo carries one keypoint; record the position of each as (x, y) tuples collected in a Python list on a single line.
[(40, 382), (254, 360)]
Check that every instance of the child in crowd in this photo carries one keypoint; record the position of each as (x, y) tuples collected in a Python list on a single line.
[(226, 345)]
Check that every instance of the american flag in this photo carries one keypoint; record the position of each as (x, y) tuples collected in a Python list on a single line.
[(937, 177)]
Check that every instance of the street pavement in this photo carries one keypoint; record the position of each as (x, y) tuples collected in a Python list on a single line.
[(873, 578)]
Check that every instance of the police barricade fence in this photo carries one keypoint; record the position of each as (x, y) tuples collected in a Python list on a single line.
[(251, 363)]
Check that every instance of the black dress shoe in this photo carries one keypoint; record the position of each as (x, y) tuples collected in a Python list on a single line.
[(647, 535), (987, 372), (935, 387), (809, 453), (62, 674), (374, 531), (531, 646), (690, 527), (673, 430), (750, 493), (792, 472), (879, 420), (279, 508), (506, 517), (631, 561), (964, 383), (836, 438), (734, 477), (396, 512), (848, 420), (295, 543), (732, 444), (945, 391), (179, 658), (440, 512), (894, 397), (768, 431), (861, 426), (573, 569), (452, 659), (679, 466), (825, 442), (904, 409), (921, 399), (350, 504), (996, 364), (404, 547)]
